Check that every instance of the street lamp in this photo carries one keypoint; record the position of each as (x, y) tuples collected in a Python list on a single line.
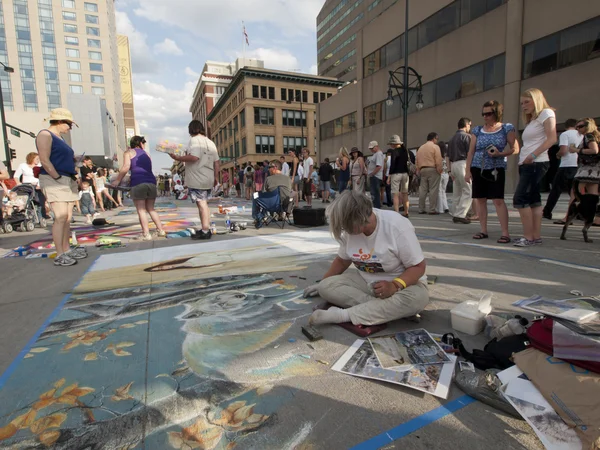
[(299, 98), (406, 81), (7, 69)]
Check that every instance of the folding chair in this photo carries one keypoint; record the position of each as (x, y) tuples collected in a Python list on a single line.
[(270, 208)]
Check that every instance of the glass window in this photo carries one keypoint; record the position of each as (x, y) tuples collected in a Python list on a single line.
[(283, 94), (96, 56), (373, 114), (263, 92), (24, 35), (91, 19), (72, 53), (315, 97), (394, 51), (92, 31), (494, 72), (68, 28), (95, 67), (326, 130), (448, 88), (48, 38), (271, 93), (471, 81), (242, 118), (76, 89), (427, 31), (254, 91), (447, 20), (75, 77), (305, 96), (322, 96), (541, 56), (98, 79), (264, 116), (391, 112), (471, 10), (579, 43), (49, 51), (428, 95), (97, 90), (372, 63), (94, 43), (493, 4), (74, 65), (71, 40), (92, 7), (68, 15), (68, 3)]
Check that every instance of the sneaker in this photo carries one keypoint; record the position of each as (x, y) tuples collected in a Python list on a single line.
[(95, 215), (64, 260), (202, 235), (522, 242), (538, 241), (77, 253), (144, 237), (161, 233), (461, 220)]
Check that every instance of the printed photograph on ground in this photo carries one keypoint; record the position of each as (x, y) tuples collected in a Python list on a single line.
[(180, 352), (407, 348), (360, 360)]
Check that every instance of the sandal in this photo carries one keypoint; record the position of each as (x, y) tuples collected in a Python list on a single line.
[(479, 236), (559, 222), (504, 240)]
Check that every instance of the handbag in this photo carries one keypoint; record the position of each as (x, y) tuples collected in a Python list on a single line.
[(412, 168)]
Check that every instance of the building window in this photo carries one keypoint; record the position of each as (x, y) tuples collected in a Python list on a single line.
[(94, 43), (493, 72), (263, 92), (97, 79), (265, 144), (322, 96), (68, 15), (244, 150), (242, 118), (92, 31), (471, 10), (92, 7), (294, 118), (75, 77), (292, 143), (68, 28), (71, 40), (219, 90), (74, 65), (96, 56), (76, 89), (68, 3), (374, 114), (283, 94), (72, 53), (264, 116), (372, 63), (255, 91), (97, 90), (571, 46), (91, 19), (95, 67), (271, 93), (315, 97)]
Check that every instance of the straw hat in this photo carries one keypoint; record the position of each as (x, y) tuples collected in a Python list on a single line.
[(61, 114), (395, 140)]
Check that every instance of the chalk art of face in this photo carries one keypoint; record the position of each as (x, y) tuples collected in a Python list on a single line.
[(226, 331)]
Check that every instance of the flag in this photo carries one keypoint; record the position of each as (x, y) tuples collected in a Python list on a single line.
[(246, 36)]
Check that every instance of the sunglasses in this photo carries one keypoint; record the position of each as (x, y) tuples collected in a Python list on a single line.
[(487, 114), (580, 126)]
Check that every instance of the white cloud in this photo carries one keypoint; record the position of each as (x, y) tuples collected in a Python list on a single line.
[(313, 69), (191, 72), (274, 58), (141, 56), (168, 47)]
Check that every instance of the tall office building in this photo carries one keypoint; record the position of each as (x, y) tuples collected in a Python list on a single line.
[(466, 52), (64, 53), (126, 87)]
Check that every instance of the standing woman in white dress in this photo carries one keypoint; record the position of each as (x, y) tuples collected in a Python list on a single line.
[(442, 205)]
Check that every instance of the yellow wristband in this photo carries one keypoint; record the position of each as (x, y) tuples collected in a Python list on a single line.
[(401, 281)]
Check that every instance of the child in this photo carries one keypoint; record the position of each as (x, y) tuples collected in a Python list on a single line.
[(14, 204), (87, 203), (178, 189)]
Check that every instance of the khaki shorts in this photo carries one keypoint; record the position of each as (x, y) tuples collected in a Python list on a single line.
[(61, 190), (399, 183), (144, 191)]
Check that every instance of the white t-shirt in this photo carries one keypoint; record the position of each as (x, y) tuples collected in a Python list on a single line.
[(376, 160), (201, 174), (307, 170), (27, 173), (534, 136), (568, 138), (387, 253), (285, 169), (388, 162)]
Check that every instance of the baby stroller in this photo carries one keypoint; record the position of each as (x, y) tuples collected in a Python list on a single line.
[(26, 219)]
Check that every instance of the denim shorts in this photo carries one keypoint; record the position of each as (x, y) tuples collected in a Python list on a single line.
[(527, 194)]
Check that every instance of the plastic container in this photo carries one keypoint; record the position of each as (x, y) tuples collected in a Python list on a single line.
[(469, 316)]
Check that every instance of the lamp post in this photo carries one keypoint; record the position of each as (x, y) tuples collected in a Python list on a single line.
[(406, 81), (7, 69), (289, 102)]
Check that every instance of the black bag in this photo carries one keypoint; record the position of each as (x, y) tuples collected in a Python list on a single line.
[(309, 217), (495, 355)]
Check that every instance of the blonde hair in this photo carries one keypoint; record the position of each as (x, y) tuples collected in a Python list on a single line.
[(539, 102), (344, 152), (348, 212), (591, 127)]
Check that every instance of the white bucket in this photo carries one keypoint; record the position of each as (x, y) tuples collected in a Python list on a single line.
[(469, 316)]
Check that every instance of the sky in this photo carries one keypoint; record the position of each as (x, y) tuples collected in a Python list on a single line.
[(171, 40)]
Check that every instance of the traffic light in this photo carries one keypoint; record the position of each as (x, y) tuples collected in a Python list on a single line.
[(13, 153)]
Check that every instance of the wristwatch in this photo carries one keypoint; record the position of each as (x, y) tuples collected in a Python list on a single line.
[(58, 178)]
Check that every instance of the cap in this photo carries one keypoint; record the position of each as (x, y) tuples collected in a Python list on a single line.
[(61, 114), (354, 149), (373, 144), (395, 140)]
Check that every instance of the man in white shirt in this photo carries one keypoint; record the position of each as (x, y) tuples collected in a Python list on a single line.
[(285, 167), (306, 176), (375, 171), (568, 167)]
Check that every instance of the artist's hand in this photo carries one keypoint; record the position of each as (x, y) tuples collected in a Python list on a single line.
[(311, 291), (529, 160), (384, 289)]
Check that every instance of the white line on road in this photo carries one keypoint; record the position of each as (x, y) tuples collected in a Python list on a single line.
[(572, 266)]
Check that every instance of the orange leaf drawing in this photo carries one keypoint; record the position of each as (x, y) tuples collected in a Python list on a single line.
[(200, 435), (122, 393), (52, 421), (67, 399), (24, 421), (91, 356), (8, 431), (43, 403), (49, 437)]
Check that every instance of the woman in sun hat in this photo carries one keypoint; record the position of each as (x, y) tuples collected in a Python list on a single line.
[(58, 181)]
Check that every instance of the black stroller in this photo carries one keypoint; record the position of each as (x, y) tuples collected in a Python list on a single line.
[(26, 219)]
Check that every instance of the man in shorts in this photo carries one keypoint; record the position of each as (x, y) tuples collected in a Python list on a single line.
[(399, 176), (306, 176)]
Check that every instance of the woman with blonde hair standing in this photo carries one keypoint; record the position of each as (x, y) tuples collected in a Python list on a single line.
[(539, 135), (588, 172), (343, 163)]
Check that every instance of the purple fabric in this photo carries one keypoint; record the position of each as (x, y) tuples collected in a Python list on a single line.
[(141, 168)]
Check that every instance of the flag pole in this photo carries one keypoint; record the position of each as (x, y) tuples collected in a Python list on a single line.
[(243, 43)]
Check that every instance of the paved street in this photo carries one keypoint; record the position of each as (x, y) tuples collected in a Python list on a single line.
[(131, 319)]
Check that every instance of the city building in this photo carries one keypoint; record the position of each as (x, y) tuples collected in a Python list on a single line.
[(130, 123), (467, 52), (265, 113), (63, 52), (213, 81)]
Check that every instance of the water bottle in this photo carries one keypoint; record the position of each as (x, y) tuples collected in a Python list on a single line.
[(213, 228), (227, 222)]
